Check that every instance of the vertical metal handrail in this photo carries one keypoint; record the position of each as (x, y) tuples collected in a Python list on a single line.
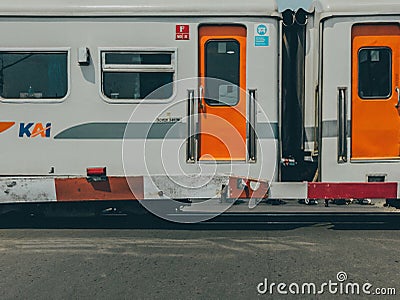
[(191, 141), (342, 124), (252, 137)]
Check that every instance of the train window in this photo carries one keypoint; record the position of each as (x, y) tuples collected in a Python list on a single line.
[(133, 75), (138, 58), (222, 62), (374, 73), (33, 75)]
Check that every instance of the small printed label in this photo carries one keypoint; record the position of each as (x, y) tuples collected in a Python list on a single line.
[(261, 35), (182, 32), (261, 41)]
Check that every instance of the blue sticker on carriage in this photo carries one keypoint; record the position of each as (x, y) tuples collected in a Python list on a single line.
[(262, 29), (261, 35), (261, 41)]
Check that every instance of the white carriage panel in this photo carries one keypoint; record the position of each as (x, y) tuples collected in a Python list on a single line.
[(288, 190), (88, 131), (336, 64), (311, 83), (359, 7), (262, 69), (137, 8), (262, 75), (337, 73), (23, 190), (355, 172), (82, 144)]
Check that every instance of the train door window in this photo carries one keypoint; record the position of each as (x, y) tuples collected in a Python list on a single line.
[(32, 76), (222, 61), (375, 72), (138, 75)]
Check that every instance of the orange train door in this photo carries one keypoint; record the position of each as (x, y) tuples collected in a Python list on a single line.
[(375, 97), (222, 106)]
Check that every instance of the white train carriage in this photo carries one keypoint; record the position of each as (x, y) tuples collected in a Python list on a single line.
[(95, 92), (352, 96), (201, 101)]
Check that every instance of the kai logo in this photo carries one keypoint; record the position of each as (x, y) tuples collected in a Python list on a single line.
[(32, 130)]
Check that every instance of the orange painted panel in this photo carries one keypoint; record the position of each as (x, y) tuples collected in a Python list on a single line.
[(223, 128), (115, 188), (5, 126), (375, 122)]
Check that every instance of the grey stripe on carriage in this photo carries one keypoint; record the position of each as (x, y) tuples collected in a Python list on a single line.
[(329, 130), (169, 130)]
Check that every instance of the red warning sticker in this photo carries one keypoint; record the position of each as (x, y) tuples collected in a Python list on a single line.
[(182, 32)]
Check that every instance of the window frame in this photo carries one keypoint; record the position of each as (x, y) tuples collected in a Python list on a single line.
[(41, 50), (382, 98), (171, 68), (238, 71)]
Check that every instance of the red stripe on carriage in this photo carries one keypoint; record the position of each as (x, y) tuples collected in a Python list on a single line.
[(114, 188), (355, 190)]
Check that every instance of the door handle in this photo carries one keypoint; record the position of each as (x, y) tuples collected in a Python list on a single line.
[(191, 147), (342, 125), (252, 143), (398, 97), (201, 95)]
